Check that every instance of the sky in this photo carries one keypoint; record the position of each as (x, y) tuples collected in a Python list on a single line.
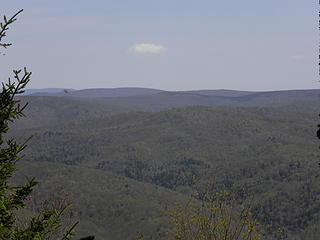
[(254, 45)]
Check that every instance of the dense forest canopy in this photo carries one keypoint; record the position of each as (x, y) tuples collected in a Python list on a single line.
[(271, 152)]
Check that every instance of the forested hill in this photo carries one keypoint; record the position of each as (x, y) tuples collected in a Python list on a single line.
[(133, 92), (135, 99), (47, 110), (169, 100), (271, 152)]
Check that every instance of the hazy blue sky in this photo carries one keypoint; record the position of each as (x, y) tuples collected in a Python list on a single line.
[(166, 44)]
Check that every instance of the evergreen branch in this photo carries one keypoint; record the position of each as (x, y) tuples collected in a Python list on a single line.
[(5, 26)]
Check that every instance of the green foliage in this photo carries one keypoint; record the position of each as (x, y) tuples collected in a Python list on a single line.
[(269, 151), (217, 217), (13, 197), (107, 205), (4, 26)]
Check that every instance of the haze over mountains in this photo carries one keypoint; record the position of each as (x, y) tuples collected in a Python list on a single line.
[(146, 99), (124, 92), (135, 91)]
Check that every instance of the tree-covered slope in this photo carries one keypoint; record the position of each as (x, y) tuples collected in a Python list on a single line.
[(47, 110), (107, 205), (132, 99), (271, 152), (168, 100)]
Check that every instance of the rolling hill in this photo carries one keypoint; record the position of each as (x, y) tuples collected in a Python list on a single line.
[(271, 152), (49, 110), (113, 101), (109, 206), (94, 92), (168, 100)]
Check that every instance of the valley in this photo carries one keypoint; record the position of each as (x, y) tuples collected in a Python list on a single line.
[(125, 159)]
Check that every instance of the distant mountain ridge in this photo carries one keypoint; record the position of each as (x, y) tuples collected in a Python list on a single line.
[(166, 100), (90, 103), (128, 92), (135, 91), (46, 91), (220, 92), (95, 92)]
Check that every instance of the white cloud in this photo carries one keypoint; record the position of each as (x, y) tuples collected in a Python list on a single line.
[(148, 48), (297, 57)]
